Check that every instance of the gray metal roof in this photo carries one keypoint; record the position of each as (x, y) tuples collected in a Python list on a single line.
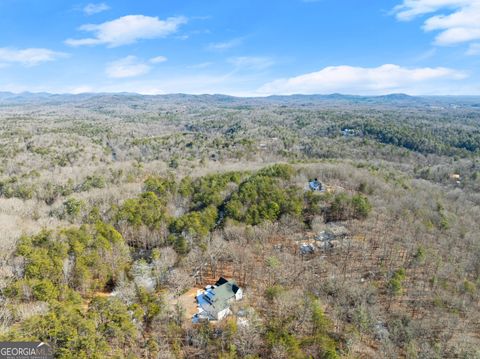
[(220, 296)]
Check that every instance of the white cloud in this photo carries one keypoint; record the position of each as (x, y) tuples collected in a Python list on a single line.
[(222, 46), (239, 84), (28, 57), (92, 9), (458, 21), (127, 30), (129, 66), (251, 62), (366, 81), (158, 59)]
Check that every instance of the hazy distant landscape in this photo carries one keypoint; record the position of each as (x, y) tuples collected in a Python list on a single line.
[(114, 206)]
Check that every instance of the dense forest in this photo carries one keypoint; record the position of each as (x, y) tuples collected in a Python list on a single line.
[(114, 207)]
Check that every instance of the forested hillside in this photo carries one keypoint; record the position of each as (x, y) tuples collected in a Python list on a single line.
[(114, 207)]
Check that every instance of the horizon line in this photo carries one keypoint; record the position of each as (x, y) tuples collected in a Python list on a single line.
[(225, 95)]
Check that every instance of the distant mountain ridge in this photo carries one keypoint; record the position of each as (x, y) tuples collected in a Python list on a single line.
[(394, 99)]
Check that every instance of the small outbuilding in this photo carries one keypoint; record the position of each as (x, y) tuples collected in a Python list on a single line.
[(348, 132), (307, 248), (332, 236), (455, 177), (331, 232)]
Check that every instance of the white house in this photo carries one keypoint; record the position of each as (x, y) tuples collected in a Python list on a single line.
[(214, 303)]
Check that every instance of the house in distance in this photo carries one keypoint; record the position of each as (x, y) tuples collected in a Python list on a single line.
[(315, 185)]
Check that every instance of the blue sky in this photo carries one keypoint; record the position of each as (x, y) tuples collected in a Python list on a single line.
[(241, 47)]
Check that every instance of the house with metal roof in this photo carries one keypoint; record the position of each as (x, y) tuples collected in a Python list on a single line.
[(214, 303), (315, 185)]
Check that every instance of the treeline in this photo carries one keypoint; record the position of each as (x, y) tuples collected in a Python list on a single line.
[(421, 137), (212, 200)]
